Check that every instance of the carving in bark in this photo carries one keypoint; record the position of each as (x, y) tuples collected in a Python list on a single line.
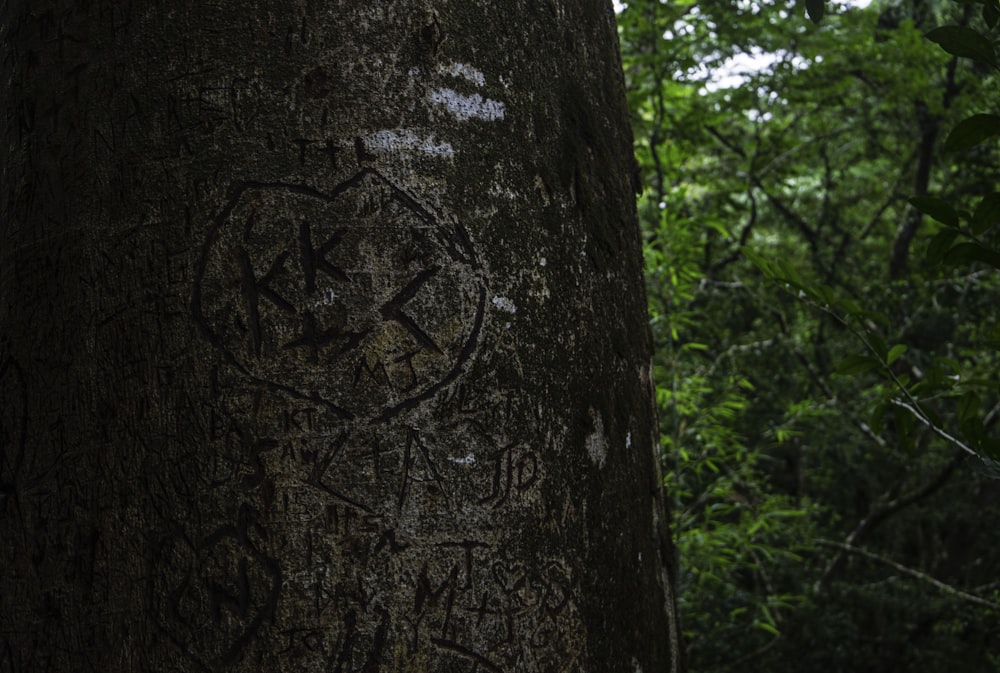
[(323, 342)]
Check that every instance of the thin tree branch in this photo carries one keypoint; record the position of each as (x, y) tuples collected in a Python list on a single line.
[(880, 514), (911, 405), (744, 238), (753, 655), (916, 574), (930, 125)]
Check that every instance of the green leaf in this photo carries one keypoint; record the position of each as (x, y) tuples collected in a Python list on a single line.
[(878, 345), (877, 318), (987, 213), (973, 431), (939, 245), (991, 14), (877, 420), (968, 406), (856, 364), (815, 9), (905, 425), (720, 229), (990, 446), (989, 467), (767, 627), (894, 353), (970, 132), (951, 364), (964, 253), (964, 42), (787, 513), (789, 274), (939, 209), (849, 306), (765, 265)]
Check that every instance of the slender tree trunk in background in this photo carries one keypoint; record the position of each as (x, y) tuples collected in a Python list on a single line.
[(323, 342)]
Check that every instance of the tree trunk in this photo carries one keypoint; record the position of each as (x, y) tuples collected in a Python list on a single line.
[(323, 342)]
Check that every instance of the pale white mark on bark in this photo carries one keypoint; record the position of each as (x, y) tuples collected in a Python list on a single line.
[(406, 140), (464, 71), (597, 443), (543, 189), (628, 440), (468, 460), (504, 304), (468, 107)]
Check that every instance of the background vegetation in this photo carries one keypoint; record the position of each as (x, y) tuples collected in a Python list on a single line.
[(823, 283)]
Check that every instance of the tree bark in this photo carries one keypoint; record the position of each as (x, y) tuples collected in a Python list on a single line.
[(323, 342)]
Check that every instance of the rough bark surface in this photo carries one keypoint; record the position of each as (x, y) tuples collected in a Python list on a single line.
[(323, 341)]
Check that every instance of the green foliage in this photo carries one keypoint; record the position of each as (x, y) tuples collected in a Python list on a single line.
[(966, 42), (822, 263), (970, 132), (815, 9)]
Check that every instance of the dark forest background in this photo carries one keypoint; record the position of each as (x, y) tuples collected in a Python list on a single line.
[(820, 200)]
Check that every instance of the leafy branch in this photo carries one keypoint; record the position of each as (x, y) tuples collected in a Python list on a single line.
[(861, 324)]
